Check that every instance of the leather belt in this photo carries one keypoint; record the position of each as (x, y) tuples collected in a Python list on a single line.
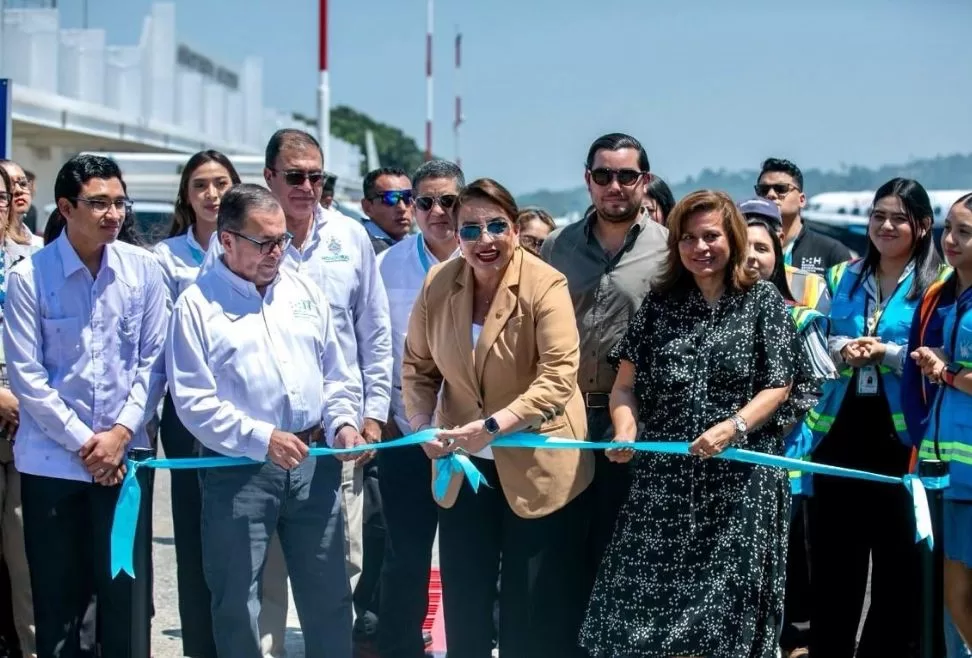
[(597, 400), (311, 435)]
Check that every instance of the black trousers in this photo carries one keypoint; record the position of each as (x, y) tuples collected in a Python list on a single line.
[(796, 601), (609, 490), (368, 590), (543, 591), (195, 613), (411, 517), (67, 530)]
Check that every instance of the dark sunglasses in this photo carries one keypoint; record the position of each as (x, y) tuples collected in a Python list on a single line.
[(604, 176), (295, 177), (781, 189), (472, 232), (531, 242), (446, 201), (392, 197), (266, 246)]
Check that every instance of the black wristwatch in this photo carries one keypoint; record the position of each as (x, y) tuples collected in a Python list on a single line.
[(491, 425), (950, 372)]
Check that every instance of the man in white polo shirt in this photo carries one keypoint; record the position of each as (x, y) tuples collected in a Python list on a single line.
[(411, 514), (256, 370)]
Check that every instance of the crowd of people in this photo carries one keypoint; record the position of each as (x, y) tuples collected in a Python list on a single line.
[(268, 323)]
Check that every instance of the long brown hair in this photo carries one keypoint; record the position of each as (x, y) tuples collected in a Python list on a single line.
[(185, 216), (676, 278), (14, 225)]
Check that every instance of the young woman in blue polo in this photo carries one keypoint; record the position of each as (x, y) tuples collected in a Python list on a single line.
[(860, 424), (949, 433)]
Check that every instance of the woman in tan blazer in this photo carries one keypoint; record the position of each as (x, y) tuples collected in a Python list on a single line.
[(495, 331)]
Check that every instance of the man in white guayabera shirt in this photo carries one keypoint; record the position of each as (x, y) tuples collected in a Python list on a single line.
[(256, 370)]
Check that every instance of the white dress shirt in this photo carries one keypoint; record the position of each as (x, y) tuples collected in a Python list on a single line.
[(240, 364), (181, 257), (403, 268), (337, 255), (80, 351)]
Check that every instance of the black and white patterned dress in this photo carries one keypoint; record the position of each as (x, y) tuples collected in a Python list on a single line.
[(696, 565)]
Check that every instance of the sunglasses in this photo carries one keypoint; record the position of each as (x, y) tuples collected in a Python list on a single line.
[(781, 189), (446, 201), (392, 197), (472, 232), (626, 177), (531, 242), (295, 177), (266, 246)]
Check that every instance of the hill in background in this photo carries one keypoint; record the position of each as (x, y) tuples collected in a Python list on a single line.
[(942, 172)]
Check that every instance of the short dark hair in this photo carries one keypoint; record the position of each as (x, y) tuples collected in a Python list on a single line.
[(239, 201), (486, 189), (779, 165), (79, 170), (616, 142), (658, 190), (289, 138), (965, 201), (30, 175), (438, 169), (368, 186), (330, 181)]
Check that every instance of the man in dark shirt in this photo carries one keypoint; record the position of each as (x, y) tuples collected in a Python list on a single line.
[(781, 182), (610, 259), (389, 205)]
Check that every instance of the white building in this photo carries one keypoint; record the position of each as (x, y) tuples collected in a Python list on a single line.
[(73, 92)]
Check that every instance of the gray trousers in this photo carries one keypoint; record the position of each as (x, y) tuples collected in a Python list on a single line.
[(242, 507)]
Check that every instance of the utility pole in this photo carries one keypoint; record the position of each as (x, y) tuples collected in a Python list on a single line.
[(323, 90), (428, 80)]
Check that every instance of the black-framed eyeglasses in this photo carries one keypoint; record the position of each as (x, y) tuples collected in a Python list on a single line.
[(266, 246), (5, 199), (123, 206), (781, 189), (604, 176), (472, 232), (445, 201), (295, 177), (392, 197), (530, 242)]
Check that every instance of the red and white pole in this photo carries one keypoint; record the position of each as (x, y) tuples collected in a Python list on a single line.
[(323, 90), (459, 117), (428, 81)]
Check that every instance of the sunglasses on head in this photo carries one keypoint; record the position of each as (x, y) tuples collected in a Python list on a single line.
[(392, 197), (472, 232), (604, 176), (781, 189), (446, 201), (295, 177)]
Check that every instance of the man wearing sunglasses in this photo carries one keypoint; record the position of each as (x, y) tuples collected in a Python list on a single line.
[(781, 182), (388, 203), (336, 253), (610, 259)]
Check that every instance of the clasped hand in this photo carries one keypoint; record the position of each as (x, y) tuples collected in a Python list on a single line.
[(931, 361), (103, 455), (863, 351)]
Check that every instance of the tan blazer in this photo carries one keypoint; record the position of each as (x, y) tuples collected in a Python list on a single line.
[(526, 361)]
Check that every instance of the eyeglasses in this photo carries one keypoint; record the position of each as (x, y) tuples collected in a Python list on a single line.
[(5, 199), (392, 197), (266, 246), (472, 232), (604, 176), (781, 189), (531, 242), (123, 206), (295, 177), (22, 183), (446, 201)]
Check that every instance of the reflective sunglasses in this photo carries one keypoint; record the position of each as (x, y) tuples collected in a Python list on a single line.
[(392, 197), (781, 189), (295, 177), (472, 232), (266, 246), (446, 201), (626, 177)]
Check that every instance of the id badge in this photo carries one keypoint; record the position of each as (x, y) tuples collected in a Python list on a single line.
[(867, 381)]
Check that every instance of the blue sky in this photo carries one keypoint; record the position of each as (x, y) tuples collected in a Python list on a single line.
[(703, 83)]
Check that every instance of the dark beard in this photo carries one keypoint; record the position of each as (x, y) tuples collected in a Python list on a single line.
[(628, 217)]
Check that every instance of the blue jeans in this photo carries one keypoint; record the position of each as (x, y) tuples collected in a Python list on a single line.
[(954, 646), (242, 506)]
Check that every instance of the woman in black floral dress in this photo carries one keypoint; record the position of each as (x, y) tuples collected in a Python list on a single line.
[(696, 565)]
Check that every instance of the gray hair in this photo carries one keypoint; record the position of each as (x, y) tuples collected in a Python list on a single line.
[(438, 169), (239, 201)]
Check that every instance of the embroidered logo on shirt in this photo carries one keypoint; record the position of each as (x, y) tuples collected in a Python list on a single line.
[(335, 252), (304, 308)]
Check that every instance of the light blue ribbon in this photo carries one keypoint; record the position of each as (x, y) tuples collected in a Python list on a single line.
[(127, 508)]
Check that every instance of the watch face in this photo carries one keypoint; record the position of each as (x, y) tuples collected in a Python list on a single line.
[(491, 425), (953, 368)]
